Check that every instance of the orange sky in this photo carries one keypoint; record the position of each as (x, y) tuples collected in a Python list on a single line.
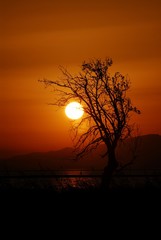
[(37, 36)]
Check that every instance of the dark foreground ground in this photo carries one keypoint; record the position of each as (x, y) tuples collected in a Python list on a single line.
[(85, 199), (114, 196), (75, 211), (81, 188)]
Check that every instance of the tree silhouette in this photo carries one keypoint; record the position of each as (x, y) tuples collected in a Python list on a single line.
[(107, 109)]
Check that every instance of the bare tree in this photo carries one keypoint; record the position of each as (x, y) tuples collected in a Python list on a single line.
[(107, 109)]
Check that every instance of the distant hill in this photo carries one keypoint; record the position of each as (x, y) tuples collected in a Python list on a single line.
[(148, 157), (148, 153)]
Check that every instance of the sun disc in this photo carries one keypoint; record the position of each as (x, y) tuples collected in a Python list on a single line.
[(74, 110)]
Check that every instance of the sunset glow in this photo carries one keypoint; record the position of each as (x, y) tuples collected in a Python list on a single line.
[(39, 36)]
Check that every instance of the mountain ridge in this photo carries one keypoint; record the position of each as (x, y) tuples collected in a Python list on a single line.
[(148, 157)]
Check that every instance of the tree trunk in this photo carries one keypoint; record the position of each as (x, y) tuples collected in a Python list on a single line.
[(109, 170)]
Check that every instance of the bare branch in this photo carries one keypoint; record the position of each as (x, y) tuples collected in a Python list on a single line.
[(107, 108)]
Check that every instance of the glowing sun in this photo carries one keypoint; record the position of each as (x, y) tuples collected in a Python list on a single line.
[(74, 110)]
